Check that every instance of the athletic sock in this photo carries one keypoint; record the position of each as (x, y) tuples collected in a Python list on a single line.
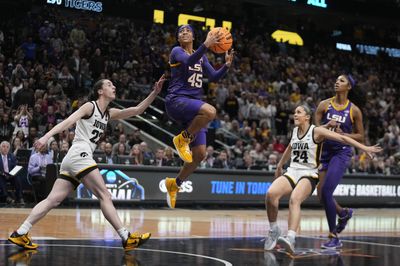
[(178, 181), (123, 233), (187, 135), (24, 228), (291, 235), (273, 225)]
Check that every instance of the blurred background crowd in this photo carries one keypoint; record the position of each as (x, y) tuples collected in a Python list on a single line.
[(50, 58)]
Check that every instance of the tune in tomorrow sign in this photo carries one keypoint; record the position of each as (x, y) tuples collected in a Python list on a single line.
[(79, 4)]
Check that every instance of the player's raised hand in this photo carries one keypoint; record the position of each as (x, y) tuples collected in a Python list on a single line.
[(371, 150), (338, 129), (159, 84), (331, 124), (229, 55), (40, 143), (213, 37)]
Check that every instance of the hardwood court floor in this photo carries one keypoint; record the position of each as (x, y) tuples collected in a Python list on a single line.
[(199, 237)]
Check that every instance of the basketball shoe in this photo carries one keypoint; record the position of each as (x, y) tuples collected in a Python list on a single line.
[(333, 243), (272, 238), (181, 143), (135, 240), (342, 220), (172, 191), (24, 241), (287, 243)]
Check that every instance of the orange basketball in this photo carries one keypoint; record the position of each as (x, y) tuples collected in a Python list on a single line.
[(225, 43)]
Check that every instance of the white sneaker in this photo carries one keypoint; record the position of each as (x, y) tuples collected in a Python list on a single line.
[(287, 244), (272, 238)]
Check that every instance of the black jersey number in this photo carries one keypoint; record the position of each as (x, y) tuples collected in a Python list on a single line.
[(300, 155), (96, 136)]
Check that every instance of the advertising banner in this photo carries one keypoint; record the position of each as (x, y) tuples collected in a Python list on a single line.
[(232, 187)]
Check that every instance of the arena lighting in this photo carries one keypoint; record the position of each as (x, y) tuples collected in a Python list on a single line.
[(79, 4), (369, 49), (343, 46), (287, 36), (317, 3), (373, 50), (158, 17)]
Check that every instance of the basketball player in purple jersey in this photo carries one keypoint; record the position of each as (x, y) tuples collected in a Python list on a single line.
[(184, 104), (343, 116)]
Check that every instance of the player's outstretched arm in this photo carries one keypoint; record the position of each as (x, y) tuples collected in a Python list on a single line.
[(138, 109), (84, 110), (321, 133), (214, 75)]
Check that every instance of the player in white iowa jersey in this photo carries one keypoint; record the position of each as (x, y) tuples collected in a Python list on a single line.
[(78, 165), (301, 176)]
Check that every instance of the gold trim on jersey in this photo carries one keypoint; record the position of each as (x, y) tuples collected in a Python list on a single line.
[(337, 108), (351, 114), (174, 65)]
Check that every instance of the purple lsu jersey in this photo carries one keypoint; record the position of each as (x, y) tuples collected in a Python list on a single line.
[(186, 80), (343, 116)]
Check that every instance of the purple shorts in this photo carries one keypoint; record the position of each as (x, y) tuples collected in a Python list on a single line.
[(183, 110), (344, 157)]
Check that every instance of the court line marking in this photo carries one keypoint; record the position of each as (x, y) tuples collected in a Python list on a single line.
[(226, 263), (207, 237), (355, 241), (218, 237)]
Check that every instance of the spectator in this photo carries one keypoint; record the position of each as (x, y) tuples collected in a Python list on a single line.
[(7, 163), (171, 160), (231, 105), (22, 120), (16, 145), (160, 159), (97, 64), (77, 37), (209, 160), (63, 151), (272, 162), (67, 82), (45, 32), (108, 152), (147, 153), (29, 48), (50, 117), (121, 140), (6, 128), (222, 161), (134, 138), (54, 151), (24, 96), (37, 169), (38, 162), (137, 155), (278, 146)]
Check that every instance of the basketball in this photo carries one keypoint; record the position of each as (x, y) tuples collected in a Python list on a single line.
[(225, 43)]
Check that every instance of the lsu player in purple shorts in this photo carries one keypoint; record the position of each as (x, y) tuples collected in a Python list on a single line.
[(184, 103), (342, 116)]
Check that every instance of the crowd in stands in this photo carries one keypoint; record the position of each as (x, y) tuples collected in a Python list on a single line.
[(49, 62)]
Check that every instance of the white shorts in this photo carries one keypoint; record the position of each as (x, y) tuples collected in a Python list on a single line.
[(294, 175), (77, 163)]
